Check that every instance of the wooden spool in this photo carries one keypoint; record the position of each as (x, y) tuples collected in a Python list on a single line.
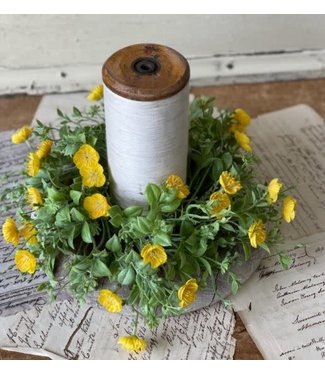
[(146, 72)]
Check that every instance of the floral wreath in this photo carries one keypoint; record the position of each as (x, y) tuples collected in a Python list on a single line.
[(191, 231)]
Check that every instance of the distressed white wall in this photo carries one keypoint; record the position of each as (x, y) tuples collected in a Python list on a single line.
[(46, 53)]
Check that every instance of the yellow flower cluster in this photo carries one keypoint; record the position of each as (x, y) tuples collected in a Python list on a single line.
[(110, 301), (33, 164), (96, 205), (11, 233), (96, 93), (154, 254), (34, 158), (86, 160), (34, 197), (179, 185), (230, 185), (132, 343), (187, 293), (44, 148), (221, 202), (21, 135), (25, 261), (241, 121), (257, 232)]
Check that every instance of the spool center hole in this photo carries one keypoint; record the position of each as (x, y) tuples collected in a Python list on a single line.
[(146, 65)]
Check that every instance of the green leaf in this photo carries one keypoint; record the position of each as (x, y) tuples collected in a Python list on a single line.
[(207, 266), (133, 297), (44, 215), (187, 228), (75, 196), (133, 211), (85, 233), (63, 216), (217, 169), (162, 239), (152, 194), (285, 260), (42, 286), (247, 250), (76, 112), (115, 211), (171, 207), (99, 269), (71, 233), (126, 276), (55, 196), (116, 221), (234, 286), (76, 215), (114, 244), (144, 225), (227, 160)]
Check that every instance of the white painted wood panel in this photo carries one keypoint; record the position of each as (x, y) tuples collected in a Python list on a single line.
[(55, 53)]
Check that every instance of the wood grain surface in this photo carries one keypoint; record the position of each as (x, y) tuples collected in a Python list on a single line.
[(146, 72), (255, 98)]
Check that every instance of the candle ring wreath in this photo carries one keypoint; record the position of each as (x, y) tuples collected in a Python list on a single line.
[(156, 259)]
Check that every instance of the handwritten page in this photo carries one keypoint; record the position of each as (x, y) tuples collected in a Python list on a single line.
[(16, 290), (284, 310), (87, 332)]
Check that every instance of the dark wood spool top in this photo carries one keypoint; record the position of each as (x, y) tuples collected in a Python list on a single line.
[(146, 72)]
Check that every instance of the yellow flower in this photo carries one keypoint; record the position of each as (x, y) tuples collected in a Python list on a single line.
[(96, 93), (256, 233), (241, 120), (222, 202), (154, 254), (25, 261), (44, 148), (110, 300), (33, 164), (243, 140), (132, 343), (34, 197), (273, 190), (178, 184), (10, 231), (187, 293), (93, 175), (229, 183), (96, 205), (21, 135), (86, 156), (29, 233), (289, 208)]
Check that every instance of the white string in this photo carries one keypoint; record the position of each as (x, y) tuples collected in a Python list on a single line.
[(146, 142)]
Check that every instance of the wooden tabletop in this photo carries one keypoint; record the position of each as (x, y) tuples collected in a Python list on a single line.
[(254, 98)]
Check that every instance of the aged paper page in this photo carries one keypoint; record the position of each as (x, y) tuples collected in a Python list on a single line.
[(68, 330), (284, 311)]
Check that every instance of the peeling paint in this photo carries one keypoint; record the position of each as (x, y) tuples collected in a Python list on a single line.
[(204, 71)]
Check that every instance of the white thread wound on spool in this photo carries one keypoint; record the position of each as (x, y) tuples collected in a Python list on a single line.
[(146, 142)]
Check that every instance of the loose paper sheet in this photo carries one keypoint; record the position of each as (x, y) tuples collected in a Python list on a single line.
[(68, 330), (87, 332), (284, 311)]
